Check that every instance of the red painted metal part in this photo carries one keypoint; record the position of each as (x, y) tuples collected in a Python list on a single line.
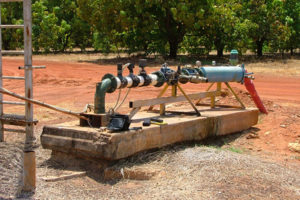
[(251, 89)]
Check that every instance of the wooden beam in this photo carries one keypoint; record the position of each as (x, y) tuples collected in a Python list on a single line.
[(162, 100), (133, 112)]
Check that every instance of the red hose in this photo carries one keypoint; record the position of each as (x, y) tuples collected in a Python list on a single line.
[(251, 89)]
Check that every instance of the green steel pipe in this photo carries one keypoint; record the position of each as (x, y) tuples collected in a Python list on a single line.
[(101, 90)]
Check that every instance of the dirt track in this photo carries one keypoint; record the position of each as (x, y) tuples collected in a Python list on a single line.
[(64, 81), (71, 85)]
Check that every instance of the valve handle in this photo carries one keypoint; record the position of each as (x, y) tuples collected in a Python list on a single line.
[(120, 70), (130, 68), (142, 65), (178, 69)]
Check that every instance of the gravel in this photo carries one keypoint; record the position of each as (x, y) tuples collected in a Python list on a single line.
[(11, 161)]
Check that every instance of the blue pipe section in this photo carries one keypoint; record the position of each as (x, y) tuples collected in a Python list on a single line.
[(223, 74)]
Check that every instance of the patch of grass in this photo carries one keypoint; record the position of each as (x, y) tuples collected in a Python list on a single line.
[(296, 157), (235, 149)]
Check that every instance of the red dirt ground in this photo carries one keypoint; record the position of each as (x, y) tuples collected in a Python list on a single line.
[(71, 85)]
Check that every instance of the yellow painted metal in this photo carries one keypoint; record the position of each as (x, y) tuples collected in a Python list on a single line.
[(209, 87), (189, 100), (219, 86), (174, 90), (29, 177), (212, 101), (236, 96), (162, 109), (162, 92)]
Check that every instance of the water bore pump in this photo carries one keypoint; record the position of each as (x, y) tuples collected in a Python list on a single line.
[(198, 74)]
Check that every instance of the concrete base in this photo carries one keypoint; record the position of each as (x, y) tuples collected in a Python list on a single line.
[(91, 143)]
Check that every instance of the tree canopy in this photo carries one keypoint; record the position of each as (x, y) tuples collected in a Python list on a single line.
[(158, 26)]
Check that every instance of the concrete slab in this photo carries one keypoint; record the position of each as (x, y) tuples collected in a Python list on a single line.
[(91, 143)]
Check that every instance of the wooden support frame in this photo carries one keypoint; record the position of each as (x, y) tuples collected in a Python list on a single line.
[(161, 100)]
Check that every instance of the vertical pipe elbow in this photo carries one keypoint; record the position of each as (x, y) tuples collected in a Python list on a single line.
[(101, 90)]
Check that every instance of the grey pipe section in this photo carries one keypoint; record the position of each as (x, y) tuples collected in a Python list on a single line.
[(192, 79)]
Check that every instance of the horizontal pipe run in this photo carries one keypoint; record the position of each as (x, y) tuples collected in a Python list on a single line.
[(11, 26), (33, 67), (12, 52), (13, 77), (14, 130), (129, 80), (13, 103), (68, 112), (5, 1)]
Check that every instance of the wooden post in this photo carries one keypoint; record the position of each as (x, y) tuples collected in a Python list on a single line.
[(29, 175), (29, 154), (28, 74), (1, 84)]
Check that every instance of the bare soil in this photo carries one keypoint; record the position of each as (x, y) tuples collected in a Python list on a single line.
[(262, 168)]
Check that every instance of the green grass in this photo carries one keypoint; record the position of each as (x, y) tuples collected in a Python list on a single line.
[(235, 149)]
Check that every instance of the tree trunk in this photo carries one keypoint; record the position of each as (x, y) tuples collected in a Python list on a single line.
[(220, 52), (173, 48), (259, 47), (292, 51)]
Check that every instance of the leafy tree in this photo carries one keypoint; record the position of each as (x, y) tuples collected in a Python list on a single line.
[(292, 18), (220, 25), (57, 27), (44, 28), (155, 25), (12, 38), (263, 17)]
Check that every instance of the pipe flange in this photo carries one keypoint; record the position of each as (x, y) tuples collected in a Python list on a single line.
[(114, 83), (160, 78), (147, 79), (135, 81), (124, 82), (184, 71)]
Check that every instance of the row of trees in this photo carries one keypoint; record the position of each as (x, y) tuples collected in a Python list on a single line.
[(166, 27)]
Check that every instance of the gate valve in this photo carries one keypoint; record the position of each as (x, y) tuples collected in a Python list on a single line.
[(143, 73), (135, 79), (142, 65), (181, 78), (130, 68), (120, 76)]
